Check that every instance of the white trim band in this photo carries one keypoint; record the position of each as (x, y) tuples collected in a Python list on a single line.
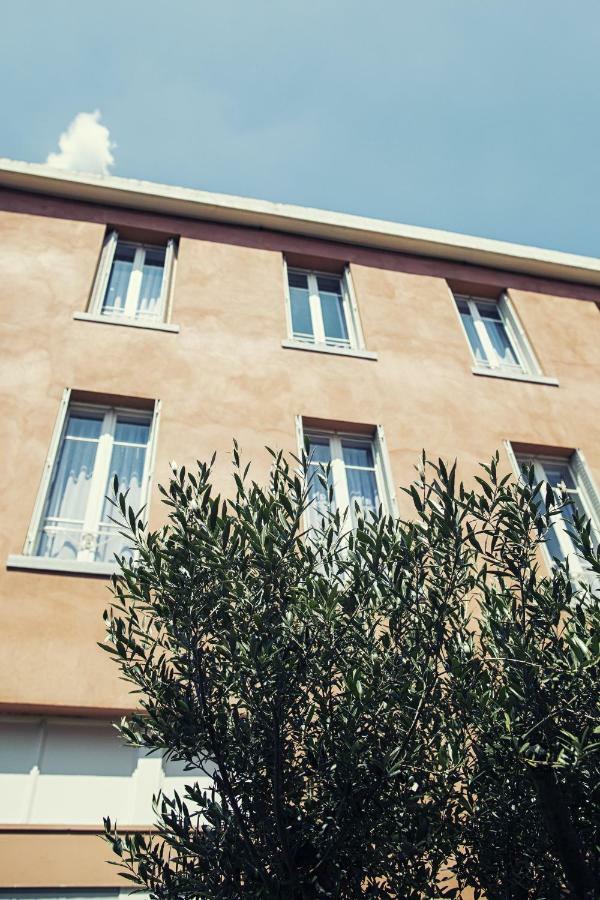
[(325, 348), (69, 566), (130, 323), (515, 376)]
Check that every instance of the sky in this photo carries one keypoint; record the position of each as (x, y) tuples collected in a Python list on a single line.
[(477, 116)]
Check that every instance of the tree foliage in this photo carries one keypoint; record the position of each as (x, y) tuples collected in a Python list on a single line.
[(400, 710)]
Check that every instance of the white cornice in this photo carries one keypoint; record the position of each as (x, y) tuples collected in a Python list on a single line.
[(316, 223)]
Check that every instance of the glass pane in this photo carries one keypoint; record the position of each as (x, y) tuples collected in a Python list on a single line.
[(332, 310), (559, 476), (487, 309), (118, 282), (132, 432), (552, 544), (362, 489), (501, 343), (110, 542), (58, 541), (128, 456), (298, 280), (300, 308), (558, 473), (80, 426), (127, 462), (69, 489), (319, 450), (150, 290), (320, 456), (473, 337), (360, 476), (356, 454)]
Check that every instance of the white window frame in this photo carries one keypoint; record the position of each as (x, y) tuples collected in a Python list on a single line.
[(349, 305), (91, 530), (382, 468), (130, 310), (586, 489), (527, 362)]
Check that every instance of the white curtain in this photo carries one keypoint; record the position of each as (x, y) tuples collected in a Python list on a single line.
[(67, 501), (118, 283), (151, 289), (127, 463)]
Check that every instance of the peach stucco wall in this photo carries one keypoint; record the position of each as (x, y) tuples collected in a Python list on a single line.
[(33, 858), (226, 375)]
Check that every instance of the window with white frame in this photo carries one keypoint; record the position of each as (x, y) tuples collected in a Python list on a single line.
[(357, 472), (568, 475), (133, 280), (96, 443), (495, 336), (64, 771), (322, 310)]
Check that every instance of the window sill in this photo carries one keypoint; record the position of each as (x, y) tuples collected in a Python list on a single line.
[(68, 566), (130, 323), (321, 348), (515, 376)]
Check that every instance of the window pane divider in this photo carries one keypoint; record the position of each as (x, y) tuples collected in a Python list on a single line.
[(316, 313), (135, 284), (338, 472), (99, 481)]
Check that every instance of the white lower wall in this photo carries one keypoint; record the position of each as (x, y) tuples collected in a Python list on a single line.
[(76, 771)]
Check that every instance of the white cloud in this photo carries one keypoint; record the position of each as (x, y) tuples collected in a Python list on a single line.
[(85, 146)]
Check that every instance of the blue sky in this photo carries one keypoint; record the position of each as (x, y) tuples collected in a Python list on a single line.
[(479, 116)]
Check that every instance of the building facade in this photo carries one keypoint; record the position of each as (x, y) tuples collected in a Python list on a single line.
[(143, 323)]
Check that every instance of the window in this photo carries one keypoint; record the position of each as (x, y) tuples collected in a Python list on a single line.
[(567, 474), (60, 771), (95, 443), (495, 337), (321, 310), (133, 280), (358, 473)]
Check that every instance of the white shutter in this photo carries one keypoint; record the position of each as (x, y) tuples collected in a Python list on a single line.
[(151, 459), (386, 472), (104, 266), (42, 493), (168, 274), (299, 435), (512, 459), (357, 339), (584, 477), (288, 302), (523, 346)]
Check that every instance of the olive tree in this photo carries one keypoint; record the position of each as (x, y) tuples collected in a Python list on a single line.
[(385, 707), (531, 826)]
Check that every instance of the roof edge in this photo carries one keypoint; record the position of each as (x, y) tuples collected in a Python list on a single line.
[(351, 229)]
